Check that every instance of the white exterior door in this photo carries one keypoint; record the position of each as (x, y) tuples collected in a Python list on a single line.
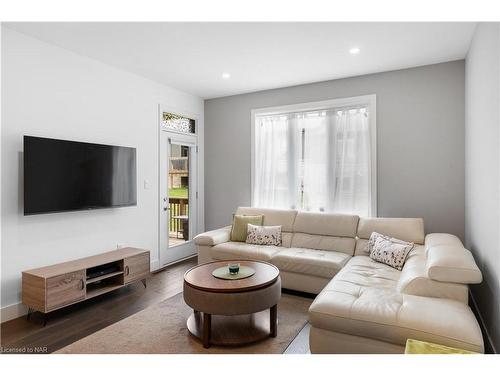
[(178, 189)]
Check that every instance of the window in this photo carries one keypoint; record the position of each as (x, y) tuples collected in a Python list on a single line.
[(316, 156), (171, 121)]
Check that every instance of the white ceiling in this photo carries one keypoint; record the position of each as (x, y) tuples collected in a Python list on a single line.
[(192, 56)]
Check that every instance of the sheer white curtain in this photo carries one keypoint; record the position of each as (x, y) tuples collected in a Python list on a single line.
[(351, 165), (314, 161), (274, 162)]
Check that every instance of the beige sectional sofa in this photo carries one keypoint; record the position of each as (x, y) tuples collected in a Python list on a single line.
[(364, 306)]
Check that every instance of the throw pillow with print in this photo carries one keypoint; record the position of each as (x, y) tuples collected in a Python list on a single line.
[(389, 250), (264, 235)]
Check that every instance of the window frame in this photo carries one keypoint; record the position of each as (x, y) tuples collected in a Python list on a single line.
[(370, 101)]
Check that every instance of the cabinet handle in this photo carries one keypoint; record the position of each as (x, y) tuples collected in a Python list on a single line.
[(82, 284), (127, 270)]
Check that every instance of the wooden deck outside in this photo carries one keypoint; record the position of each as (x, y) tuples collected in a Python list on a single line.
[(174, 241)]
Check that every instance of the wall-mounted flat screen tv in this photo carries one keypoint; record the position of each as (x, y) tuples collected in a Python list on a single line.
[(64, 175)]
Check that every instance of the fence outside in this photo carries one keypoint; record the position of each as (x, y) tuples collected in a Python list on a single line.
[(177, 207)]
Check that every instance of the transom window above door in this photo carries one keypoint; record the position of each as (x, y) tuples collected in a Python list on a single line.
[(316, 156), (181, 124)]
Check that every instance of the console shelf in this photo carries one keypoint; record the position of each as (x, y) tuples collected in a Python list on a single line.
[(98, 291), (50, 288), (103, 277)]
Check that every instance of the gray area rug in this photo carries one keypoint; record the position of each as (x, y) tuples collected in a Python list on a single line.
[(161, 329)]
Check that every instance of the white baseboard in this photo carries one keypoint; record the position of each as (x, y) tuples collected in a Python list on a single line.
[(177, 261), (12, 312), (155, 264)]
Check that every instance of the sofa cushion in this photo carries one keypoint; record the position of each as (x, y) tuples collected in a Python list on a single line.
[(241, 250), (334, 232), (310, 262), (414, 280), (286, 239), (454, 264), (285, 218), (361, 247), (213, 237), (437, 239), (337, 225), (406, 229), (362, 300), (318, 242), (449, 261)]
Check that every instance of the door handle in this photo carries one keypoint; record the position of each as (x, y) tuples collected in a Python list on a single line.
[(166, 208), (127, 270)]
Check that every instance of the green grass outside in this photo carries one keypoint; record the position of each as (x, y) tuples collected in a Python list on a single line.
[(178, 192)]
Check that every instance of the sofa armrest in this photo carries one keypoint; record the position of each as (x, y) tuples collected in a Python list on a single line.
[(449, 261), (213, 237)]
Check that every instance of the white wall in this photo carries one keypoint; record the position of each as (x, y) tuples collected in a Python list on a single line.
[(482, 183), (52, 92)]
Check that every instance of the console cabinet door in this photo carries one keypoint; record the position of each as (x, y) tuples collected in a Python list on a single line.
[(65, 289), (136, 267)]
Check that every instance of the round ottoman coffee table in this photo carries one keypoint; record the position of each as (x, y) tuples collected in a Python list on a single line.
[(232, 312)]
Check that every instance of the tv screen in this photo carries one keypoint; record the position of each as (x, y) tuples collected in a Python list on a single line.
[(66, 176)]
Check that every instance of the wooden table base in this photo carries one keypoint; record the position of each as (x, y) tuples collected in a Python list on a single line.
[(233, 330)]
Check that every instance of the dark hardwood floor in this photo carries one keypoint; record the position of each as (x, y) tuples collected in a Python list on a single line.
[(70, 324)]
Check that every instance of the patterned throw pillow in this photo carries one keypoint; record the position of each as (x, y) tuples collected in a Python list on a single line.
[(261, 235), (389, 250)]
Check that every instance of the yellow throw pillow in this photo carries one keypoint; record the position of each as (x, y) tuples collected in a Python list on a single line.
[(240, 225), (422, 347)]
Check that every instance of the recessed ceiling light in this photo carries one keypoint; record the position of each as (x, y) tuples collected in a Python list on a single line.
[(354, 51), (226, 75)]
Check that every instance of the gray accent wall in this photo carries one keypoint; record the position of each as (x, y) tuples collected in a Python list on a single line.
[(482, 166), (420, 143)]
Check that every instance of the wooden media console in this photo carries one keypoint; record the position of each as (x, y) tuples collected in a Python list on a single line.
[(50, 288)]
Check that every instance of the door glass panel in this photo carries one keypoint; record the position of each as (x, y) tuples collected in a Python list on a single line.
[(178, 193)]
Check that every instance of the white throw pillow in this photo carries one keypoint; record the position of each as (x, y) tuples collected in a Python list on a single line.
[(264, 235), (389, 250)]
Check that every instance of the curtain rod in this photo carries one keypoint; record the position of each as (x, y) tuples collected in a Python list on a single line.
[(326, 109)]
